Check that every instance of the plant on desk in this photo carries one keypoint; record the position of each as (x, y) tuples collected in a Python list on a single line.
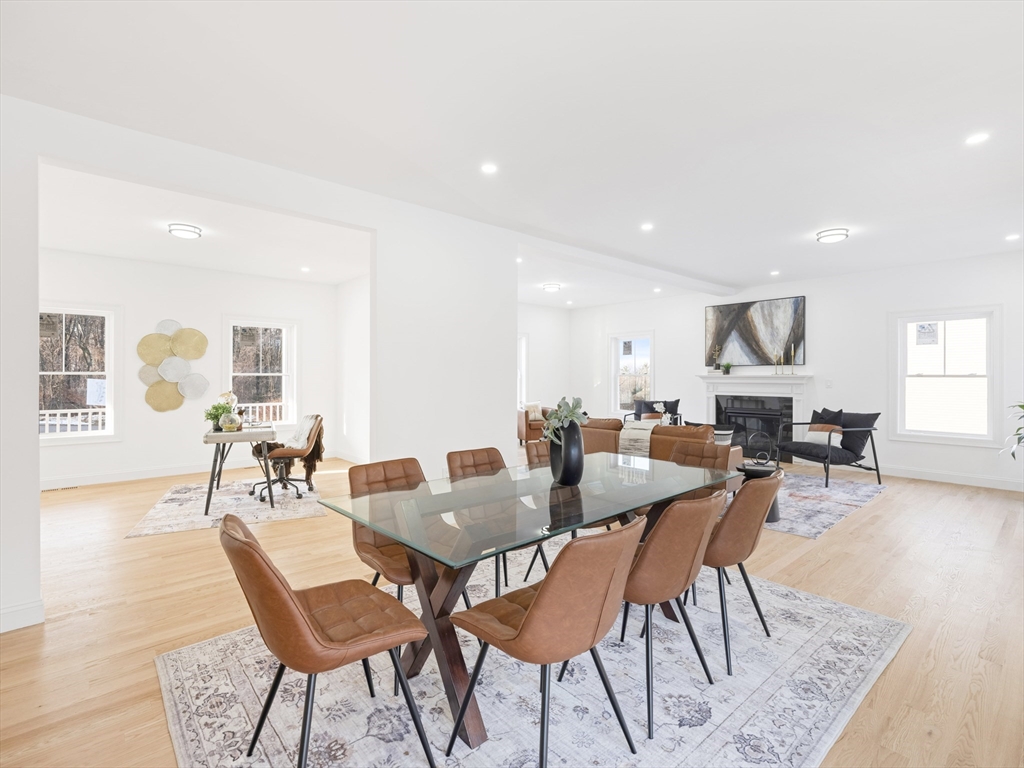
[(214, 412), (562, 428)]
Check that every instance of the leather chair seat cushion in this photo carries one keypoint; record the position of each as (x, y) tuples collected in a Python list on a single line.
[(287, 453), (818, 452), (355, 620), (498, 620), (390, 560)]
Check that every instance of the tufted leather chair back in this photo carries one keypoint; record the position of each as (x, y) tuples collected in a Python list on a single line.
[(538, 454), (739, 530), (282, 622), (578, 600), (394, 475), (707, 455), (479, 461), (673, 552)]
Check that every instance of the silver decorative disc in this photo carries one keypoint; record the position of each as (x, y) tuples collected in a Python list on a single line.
[(193, 386), (168, 327), (175, 368), (149, 375)]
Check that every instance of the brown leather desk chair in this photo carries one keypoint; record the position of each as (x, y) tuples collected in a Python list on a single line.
[(566, 613), (487, 461), (538, 454), (666, 564), (283, 457), (735, 538), (318, 629)]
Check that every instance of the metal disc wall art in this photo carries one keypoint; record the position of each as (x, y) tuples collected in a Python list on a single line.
[(167, 372)]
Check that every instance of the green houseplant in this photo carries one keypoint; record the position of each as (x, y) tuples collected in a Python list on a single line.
[(726, 367), (1017, 438), (214, 412)]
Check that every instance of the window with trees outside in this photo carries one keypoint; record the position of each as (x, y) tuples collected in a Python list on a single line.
[(633, 370), (262, 360), (74, 382), (945, 377)]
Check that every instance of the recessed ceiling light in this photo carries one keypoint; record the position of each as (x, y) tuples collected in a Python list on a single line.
[(489, 168), (773, 274), (832, 235), (305, 269), (1013, 237), (568, 302), (552, 287), (519, 261), (647, 226), (185, 231), (976, 138), (657, 290)]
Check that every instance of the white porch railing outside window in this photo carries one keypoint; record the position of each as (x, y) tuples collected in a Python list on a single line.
[(85, 421), (255, 412)]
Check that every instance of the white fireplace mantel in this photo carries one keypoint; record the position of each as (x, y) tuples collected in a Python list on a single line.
[(781, 385)]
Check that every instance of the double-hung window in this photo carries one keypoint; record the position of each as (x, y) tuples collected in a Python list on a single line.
[(945, 380), (75, 386), (632, 364), (263, 370)]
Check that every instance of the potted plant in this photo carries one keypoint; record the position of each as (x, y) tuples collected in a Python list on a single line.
[(726, 367), (562, 428), (214, 412), (1017, 438)]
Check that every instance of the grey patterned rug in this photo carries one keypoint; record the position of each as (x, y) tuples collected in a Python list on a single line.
[(181, 508), (809, 509), (787, 702)]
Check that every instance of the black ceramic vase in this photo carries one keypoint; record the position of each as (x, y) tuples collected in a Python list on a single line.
[(567, 458)]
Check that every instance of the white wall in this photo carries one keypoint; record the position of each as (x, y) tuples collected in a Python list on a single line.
[(351, 434), (152, 444), (547, 350), (847, 342)]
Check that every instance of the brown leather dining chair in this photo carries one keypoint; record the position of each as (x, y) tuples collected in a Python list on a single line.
[(538, 454), (566, 613), (735, 538), (319, 629), (487, 461), (666, 564)]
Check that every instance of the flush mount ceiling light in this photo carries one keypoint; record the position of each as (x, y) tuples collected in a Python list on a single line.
[(488, 168), (647, 226), (552, 287), (519, 261), (775, 273), (1013, 237), (305, 269), (568, 302), (657, 290), (976, 138), (832, 235), (185, 231)]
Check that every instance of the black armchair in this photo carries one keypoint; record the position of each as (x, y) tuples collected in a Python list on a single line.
[(828, 454)]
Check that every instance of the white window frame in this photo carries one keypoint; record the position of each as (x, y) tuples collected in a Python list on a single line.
[(898, 366), (614, 342), (111, 363), (289, 359)]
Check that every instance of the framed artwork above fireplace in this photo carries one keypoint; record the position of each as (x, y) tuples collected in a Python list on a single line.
[(756, 332)]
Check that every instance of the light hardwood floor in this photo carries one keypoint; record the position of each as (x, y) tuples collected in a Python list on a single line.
[(81, 689)]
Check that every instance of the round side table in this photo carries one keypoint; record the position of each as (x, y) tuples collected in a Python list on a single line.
[(752, 471)]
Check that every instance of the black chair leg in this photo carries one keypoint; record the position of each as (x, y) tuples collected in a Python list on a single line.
[(369, 677), (376, 578), (307, 720), (544, 557), (469, 695), (504, 565), (266, 709), (826, 474), (399, 649), (611, 697), (727, 579), (497, 575), (725, 620), (532, 561), (561, 672), (753, 597), (545, 706), (625, 616), (399, 593), (649, 613), (465, 599), (413, 709), (694, 640), (874, 455), (693, 593)]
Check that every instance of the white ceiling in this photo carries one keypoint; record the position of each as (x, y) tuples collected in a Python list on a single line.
[(94, 214), (739, 129)]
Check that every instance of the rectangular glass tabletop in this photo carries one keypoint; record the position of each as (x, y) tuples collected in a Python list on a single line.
[(458, 521)]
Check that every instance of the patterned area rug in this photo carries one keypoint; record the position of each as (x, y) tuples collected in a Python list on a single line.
[(809, 509), (181, 508), (787, 702)]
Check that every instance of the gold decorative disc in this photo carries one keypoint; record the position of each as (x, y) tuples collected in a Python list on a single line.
[(154, 348), (164, 396), (189, 343)]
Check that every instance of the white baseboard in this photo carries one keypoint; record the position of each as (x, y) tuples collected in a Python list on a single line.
[(68, 481), (21, 615), (958, 478)]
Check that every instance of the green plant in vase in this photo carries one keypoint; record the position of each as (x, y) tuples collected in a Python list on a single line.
[(215, 411), (726, 367), (1017, 438)]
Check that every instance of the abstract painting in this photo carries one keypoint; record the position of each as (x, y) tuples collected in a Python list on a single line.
[(756, 332)]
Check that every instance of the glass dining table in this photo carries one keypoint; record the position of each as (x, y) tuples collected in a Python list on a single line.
[(449, 525)]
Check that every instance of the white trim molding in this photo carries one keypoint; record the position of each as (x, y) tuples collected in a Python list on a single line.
[(21, 615)]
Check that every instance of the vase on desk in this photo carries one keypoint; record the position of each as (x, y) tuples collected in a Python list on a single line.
[(230, 422)]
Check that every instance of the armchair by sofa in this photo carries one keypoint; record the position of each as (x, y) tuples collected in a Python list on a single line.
[(530, 429), (847, 435)]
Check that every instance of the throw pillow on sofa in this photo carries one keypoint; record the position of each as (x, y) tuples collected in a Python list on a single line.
[(824, 422), (534, 412)]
